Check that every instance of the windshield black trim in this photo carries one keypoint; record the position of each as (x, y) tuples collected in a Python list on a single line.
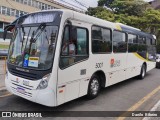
[(32, 68), (39, 74), (29, 74)]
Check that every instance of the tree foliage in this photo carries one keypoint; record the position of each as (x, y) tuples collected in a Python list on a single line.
[(105, 3), (136, 13), (130, 7)]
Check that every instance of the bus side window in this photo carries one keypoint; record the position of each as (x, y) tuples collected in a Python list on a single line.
[(101, 40), (148, 41), (153, 42), (142, 47), (65, 41), (78, 45), (132, 43), (119, 42)]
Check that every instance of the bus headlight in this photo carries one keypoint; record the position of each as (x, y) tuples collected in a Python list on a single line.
[(44, 82)]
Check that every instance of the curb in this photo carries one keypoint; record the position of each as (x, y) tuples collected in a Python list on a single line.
[(2, 88), (3, 91)]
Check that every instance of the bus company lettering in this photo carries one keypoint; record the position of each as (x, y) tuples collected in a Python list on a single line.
[(115, 63)]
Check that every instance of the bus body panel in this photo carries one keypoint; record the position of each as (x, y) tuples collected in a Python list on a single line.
[(67, 84), (71, 84), (16, 85)]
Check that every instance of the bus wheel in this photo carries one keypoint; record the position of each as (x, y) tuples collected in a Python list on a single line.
[(143, 72), (93, 87)]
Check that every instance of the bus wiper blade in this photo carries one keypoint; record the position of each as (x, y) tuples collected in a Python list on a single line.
[(36, 33), (20, 34)]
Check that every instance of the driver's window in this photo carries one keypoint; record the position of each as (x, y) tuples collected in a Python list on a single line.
[(65, 41), (75, 47)]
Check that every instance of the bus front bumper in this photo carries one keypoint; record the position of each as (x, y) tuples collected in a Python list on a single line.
[(44, 97)]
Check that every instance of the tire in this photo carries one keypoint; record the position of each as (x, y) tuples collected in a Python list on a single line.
[(93, 87), (143, 72), (158, 65)]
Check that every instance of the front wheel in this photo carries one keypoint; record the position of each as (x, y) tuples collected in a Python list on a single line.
[(143, 72), (93, 87)]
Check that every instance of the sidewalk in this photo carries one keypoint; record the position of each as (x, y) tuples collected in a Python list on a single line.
[(3, 90), (2, 81), (2, 75)]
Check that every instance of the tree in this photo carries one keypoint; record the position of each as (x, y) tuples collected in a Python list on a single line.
[(136, 13), (102, 13), (130, 7), (106, 3)]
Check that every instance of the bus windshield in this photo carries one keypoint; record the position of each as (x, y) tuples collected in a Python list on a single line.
[(33, 46)]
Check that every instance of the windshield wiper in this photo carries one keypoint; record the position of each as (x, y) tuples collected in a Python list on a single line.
[(37, 33)]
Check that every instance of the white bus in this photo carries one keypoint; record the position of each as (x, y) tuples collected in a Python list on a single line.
[(60, 55)]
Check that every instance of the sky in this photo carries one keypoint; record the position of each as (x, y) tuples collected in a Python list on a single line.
[(73, 3), (86, 3)]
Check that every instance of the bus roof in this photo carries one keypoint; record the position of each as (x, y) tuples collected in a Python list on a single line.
[(136, 31), (96, 21)]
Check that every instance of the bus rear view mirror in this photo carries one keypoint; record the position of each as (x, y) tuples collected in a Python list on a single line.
[(6, 29)]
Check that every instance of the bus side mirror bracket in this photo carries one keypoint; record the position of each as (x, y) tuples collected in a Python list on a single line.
[(6, 29)]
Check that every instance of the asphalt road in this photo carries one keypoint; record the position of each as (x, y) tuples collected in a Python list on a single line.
[(119, 97)]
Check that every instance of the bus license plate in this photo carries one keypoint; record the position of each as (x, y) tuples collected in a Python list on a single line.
[(21, 90)]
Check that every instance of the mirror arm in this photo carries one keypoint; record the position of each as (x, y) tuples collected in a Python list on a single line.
[(7, 28)]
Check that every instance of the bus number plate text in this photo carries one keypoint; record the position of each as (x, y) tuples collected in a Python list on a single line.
[(99, 65)]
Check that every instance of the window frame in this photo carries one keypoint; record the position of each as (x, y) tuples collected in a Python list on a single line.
[(154, 41), (142, 40), (126, 41), (0, 9), (4, 9), (12, 12), (132, 34), (132, 43), (150, 43), (111, 40), (70, 56)]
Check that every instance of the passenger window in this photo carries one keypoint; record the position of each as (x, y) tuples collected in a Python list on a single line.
[(142, 47), (101, 40), (65, 41), (153, 42), (75, 47), (119, 42), (148, 41), (132, 43), (141, 40)]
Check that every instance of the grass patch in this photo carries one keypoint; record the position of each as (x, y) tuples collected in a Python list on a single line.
[(4, 46)]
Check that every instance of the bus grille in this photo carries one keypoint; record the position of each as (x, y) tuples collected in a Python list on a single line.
[(30, 76)]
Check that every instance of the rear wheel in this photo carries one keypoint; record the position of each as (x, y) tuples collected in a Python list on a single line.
[(143, 72), (93, 87)]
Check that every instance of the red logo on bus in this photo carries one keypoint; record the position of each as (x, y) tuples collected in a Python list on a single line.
[(17, 80), (112, 61)]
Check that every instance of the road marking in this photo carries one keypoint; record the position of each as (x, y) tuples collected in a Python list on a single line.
[(153, 109), (5, 95), (139, 103)]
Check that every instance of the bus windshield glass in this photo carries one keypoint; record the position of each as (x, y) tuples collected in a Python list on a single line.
[(33, 46)]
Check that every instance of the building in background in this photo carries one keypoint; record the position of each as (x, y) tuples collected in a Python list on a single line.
[(155, 4), (12, 9)]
